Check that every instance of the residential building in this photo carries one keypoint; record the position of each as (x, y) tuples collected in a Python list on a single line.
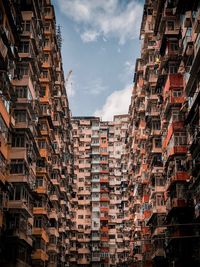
[(36, 148), (163, 137), (102, 214)]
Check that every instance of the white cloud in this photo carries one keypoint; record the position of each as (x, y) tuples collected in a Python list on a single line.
[(89, 36), (116, 103), (95, 87), (106, 18)]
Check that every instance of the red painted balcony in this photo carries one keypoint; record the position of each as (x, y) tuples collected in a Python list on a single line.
[(181, 149), (147, 214), (104, 238), (175, 203), (104, 218), (174, 126), (104, 180), (103, 209), (178, 177), (146, 248), (178, 203), (104, 229), (106, 199), (145, 198), (174, 80), (145, 230)]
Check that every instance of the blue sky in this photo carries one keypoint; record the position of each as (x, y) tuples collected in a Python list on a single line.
[(100, 45)]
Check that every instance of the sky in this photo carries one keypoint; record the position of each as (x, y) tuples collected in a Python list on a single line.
[(100, 45)]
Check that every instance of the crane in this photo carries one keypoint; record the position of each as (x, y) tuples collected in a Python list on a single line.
[(68, 86), (68, 76)]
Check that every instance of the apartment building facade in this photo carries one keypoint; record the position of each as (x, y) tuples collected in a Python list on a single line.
[(163, 142), (102, 200), (36, 148)]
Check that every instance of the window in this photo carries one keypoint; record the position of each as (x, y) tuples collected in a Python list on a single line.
[(24, 47), (47, 26), (180, 139), (26, 25), (173, 69), (20, 116), (21, 92), (80, 216), (41, 144), (151, 58), (42, 91), (173, 46), (46, 57), (103, 140), (177, 93), (158, 142), (170, 25), (53, 239), (46, 42), (18, 140), (160, 200), (17, 166), (45, 74), (23, 70), (39, 181), (47, 11), (43, 126), (3, 127), (45, 109), (177, 115), (150, 26)]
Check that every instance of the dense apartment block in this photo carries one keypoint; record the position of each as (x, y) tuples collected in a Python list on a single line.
[(163, 137), (102, 237), (36, 148)]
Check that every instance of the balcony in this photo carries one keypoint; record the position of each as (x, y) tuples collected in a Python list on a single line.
[(40, 211), (145, 198), (53, 214), (104, 180), (95, 258), (175, 203), (53, 248), (176, 149), (41, 189), (4, 113), (93, 144), (179, 176), (159, 252), (95, 198), (104, 218), (83, 250), (20, 205), (23, 235), (104, 199), (173, 81), (41, 232), (93, 170), (96, 237), (104, 209), (83, 261), (54, 197), (39, 254), (53, 231)]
